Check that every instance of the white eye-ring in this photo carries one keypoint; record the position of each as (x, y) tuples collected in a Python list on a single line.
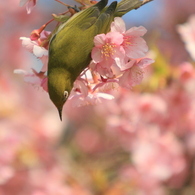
[(65, 95)]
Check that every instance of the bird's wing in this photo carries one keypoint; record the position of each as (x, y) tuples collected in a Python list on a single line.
[(86, 18), (83, 19)]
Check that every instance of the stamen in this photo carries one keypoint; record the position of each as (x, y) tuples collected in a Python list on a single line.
[(127, 40), (108, 50)]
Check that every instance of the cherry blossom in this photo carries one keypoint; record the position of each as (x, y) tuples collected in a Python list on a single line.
[(134, 74), (133, 44), (107, 48), (83, 94), (114, 55), (34, 78), (40, 52)]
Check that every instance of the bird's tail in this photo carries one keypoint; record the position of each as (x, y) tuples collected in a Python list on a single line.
[(125, 6)]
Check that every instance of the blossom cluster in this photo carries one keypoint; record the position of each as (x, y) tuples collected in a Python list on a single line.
[(118, 60)]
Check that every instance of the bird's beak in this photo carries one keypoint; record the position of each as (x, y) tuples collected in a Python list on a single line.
[(60, 113)]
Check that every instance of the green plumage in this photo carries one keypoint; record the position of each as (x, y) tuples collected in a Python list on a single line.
[(70, 47)]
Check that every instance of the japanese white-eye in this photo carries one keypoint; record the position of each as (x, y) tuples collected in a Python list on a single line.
[(71, 45)]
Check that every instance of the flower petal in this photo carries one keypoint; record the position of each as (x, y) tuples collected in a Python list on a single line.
[(96, 55), (99, 40), (114, 37), (131, 77), (39, 51), (137, 48), (118, 25), (136, 31), (28, 44), (143, 63)]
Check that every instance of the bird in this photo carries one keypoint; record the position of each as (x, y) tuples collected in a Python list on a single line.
[(71, 44)]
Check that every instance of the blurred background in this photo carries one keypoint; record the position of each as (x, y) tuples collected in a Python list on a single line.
[(140, 143)]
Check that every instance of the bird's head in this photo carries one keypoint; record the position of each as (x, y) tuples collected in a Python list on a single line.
[(59, 87)]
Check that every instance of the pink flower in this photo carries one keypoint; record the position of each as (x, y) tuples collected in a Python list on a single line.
[(102, 68), (105, 85), (82, 94), (81, 87), (34, 78), (29, 4), (187, 32), (40, 52), (41, 37), (133, 44), (133, 75), (90, 99), (108, 48)]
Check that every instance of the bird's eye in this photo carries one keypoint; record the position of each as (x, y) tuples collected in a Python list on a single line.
[(65, 95)]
